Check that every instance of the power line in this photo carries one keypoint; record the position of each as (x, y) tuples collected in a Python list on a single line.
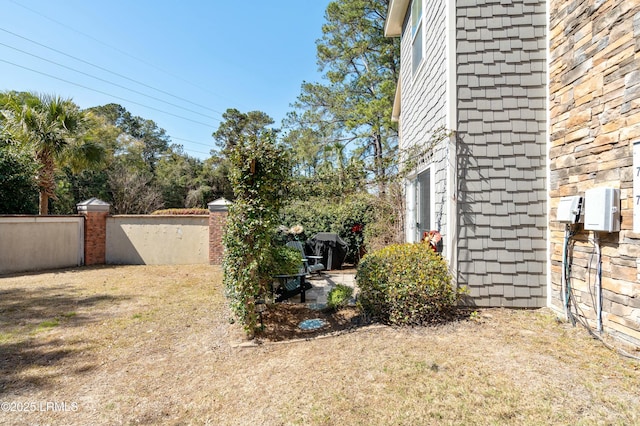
[(197, 152), (122, 52), (107, 81), (64, 66), (188, 149), (190, 141), (105, 93), (108, 70)]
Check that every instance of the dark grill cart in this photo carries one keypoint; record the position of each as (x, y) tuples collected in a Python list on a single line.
[(331, 247)]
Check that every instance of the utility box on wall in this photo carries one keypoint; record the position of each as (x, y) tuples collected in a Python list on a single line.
[(602, 209), (569, 209)]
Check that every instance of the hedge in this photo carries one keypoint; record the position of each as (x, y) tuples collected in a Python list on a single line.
[(348, 217), (406, 284)]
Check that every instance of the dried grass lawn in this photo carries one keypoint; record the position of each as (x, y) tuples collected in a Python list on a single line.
[(153, 345)]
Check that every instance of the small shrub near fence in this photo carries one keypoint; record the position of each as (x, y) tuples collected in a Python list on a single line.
[(406, 284)]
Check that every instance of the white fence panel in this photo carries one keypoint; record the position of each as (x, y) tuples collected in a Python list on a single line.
[(157, 240), (32, 243)]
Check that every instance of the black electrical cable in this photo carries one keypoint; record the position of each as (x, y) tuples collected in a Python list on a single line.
[(569, 233), (580, 315)]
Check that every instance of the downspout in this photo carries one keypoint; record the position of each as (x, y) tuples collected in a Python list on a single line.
[(451, 125)]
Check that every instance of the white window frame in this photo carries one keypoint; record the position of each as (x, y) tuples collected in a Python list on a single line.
[(412, 193), (418, 199), (417, 31)]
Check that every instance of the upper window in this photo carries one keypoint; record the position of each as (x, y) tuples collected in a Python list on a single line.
[(416, 34), (416, 15)]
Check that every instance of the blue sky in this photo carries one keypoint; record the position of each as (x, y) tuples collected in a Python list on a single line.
[(196, 58)]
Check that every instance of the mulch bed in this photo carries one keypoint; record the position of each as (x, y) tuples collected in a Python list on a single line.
[(281, 321)]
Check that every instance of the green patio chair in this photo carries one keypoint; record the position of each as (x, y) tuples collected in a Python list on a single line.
[(307, 268)]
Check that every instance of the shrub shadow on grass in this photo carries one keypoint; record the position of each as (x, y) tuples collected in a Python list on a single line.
[(27, 315), (450, 316), (21, 307), (23, 364)]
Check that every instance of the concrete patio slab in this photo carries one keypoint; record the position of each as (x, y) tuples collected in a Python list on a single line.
[(323, 283)]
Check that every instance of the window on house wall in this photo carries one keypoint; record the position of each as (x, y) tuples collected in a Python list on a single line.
[(423, 203), (416, 34), (410, 204)]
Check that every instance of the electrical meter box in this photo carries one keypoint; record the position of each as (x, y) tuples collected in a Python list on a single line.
[(602, 209), (569, 209)]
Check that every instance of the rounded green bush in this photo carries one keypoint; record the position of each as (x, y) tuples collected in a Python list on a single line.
[(406, 284)]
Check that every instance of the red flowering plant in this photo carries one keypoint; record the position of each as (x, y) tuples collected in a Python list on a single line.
[(356, 237)]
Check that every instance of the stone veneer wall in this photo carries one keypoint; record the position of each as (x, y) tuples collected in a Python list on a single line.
[(501, 59), (594, 119)]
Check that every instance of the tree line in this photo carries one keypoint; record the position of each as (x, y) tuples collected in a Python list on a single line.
[(339, 135), (54, 155)]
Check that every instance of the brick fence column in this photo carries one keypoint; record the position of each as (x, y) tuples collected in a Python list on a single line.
[(218, 211), (95, 213)]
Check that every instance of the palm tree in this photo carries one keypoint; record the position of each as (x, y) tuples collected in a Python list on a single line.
[(55, 129)]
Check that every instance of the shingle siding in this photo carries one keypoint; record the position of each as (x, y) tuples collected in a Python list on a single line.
[(501, 112), (422, 114)]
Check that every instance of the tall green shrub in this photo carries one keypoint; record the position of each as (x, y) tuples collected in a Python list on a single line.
[(259, 168), (18, 188), (406, 284), (348, 217)]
